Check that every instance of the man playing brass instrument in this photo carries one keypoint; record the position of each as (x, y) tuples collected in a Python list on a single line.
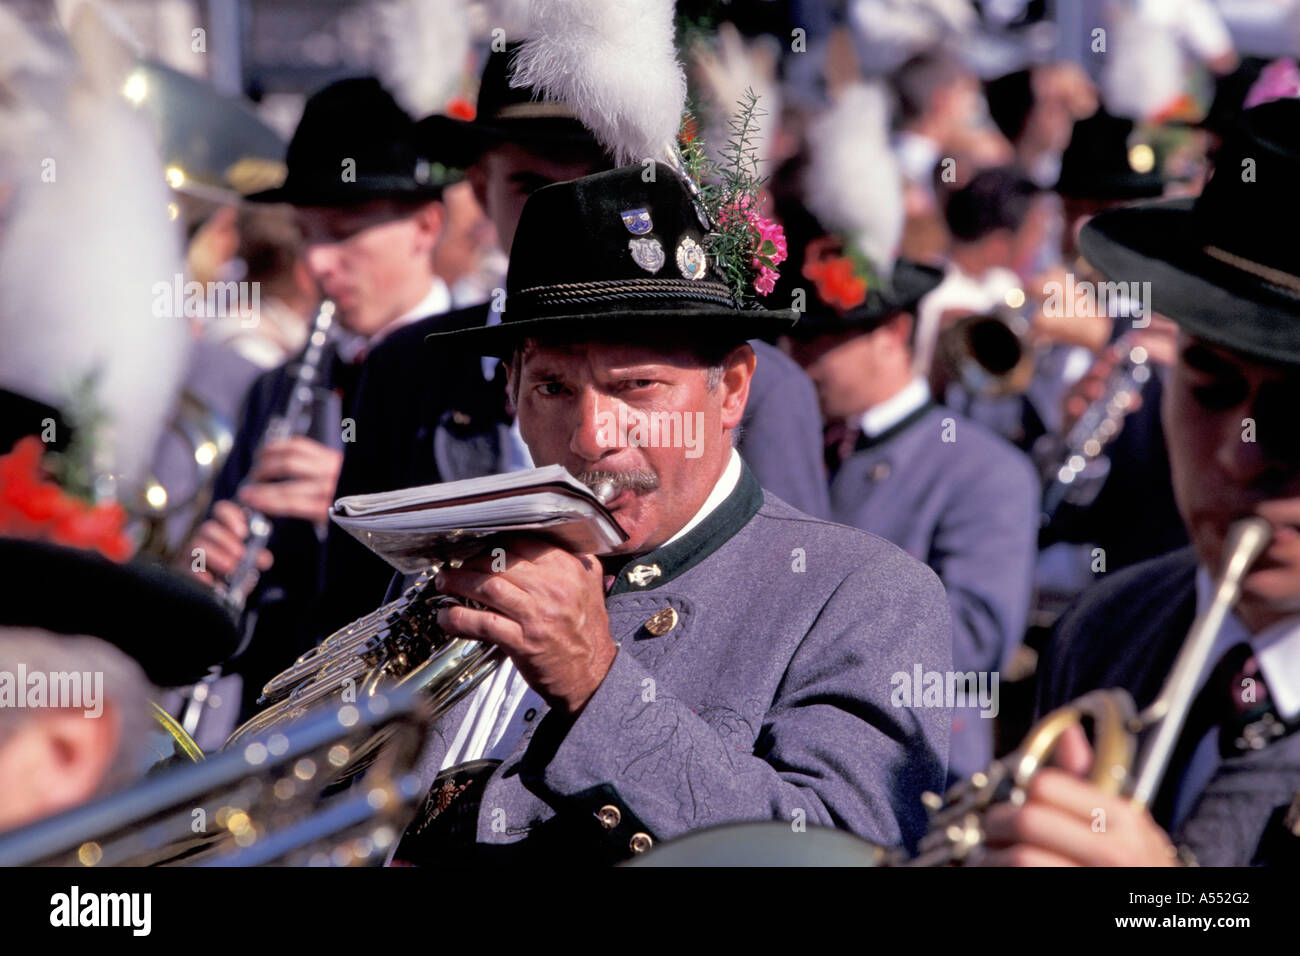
[(734, 660), (1223, 270)]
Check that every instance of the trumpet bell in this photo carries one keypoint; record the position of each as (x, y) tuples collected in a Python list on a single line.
[(989, 354)]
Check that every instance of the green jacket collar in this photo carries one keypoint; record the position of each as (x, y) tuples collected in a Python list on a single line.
[(650, 570)]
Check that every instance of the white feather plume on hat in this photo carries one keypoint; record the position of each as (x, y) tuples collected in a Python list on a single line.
[(853, 184), (80, 254), (614, 63), (423, 50)]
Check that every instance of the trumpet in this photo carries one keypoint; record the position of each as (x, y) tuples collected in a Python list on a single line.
[(955, 828), (990, 353), (400, 644)]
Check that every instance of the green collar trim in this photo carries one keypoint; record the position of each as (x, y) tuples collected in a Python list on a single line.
[(865, 441), (654, 568)]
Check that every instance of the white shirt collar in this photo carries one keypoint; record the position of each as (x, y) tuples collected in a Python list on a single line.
[(436, 301), (882, 417), (1276, 647), (725, 485)]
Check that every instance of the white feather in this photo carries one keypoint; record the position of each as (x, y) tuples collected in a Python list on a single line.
[(422, 50), (614, 63), (852, 184), (79, 255), (726, 67)]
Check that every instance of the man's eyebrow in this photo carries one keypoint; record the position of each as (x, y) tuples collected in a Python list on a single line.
[(1205, 359), (646, 368), (541, 373)]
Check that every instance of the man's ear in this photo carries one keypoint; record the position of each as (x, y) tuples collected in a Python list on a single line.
[(478, 180), (429, 219), (76, 752), (899, 328), (737, 371)]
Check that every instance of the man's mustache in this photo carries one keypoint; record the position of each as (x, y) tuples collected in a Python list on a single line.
[(638, 481)]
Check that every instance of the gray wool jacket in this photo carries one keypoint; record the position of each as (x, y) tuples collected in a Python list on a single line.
[(769, 698), (967, 507)]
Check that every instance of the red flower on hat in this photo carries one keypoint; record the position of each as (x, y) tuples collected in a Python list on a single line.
[(836, 276), (34, 507), (460, 108)]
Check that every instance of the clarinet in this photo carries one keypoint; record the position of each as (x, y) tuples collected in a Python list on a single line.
[(242, 580), (1074, 468)]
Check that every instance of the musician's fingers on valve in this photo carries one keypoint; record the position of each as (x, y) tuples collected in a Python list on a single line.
[(548, 614), (1063, 816), (1066, 821), (221, 541)]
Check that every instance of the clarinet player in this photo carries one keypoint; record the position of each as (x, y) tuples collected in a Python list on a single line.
[(369, 240)]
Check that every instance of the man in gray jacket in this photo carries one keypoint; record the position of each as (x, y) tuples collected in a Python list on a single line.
[(944, 488), (737, 659)]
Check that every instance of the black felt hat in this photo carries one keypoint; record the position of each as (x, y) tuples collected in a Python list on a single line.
[(354, 144), (1101, 163), (172, 626), (614, 255), (1225, 266), (504, 114)]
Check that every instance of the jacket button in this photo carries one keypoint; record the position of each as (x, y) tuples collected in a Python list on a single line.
[(879, 471), (640, 842), (609, 816), (662, 622)]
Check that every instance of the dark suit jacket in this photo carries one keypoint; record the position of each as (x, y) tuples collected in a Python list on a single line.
[(1126, 632)]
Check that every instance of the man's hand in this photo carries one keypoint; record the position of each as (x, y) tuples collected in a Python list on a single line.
[(547, 613), (1067, 821), (293, 478), (221, 539)]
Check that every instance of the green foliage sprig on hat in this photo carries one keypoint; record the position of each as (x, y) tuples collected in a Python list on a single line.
[(746, 247)]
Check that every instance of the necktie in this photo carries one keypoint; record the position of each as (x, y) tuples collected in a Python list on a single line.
[(1212, 707), (839, 441), (1235, 700), (1253, 720)]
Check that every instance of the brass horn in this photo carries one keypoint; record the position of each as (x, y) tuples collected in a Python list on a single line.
[(317, 793), (397, 645)]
